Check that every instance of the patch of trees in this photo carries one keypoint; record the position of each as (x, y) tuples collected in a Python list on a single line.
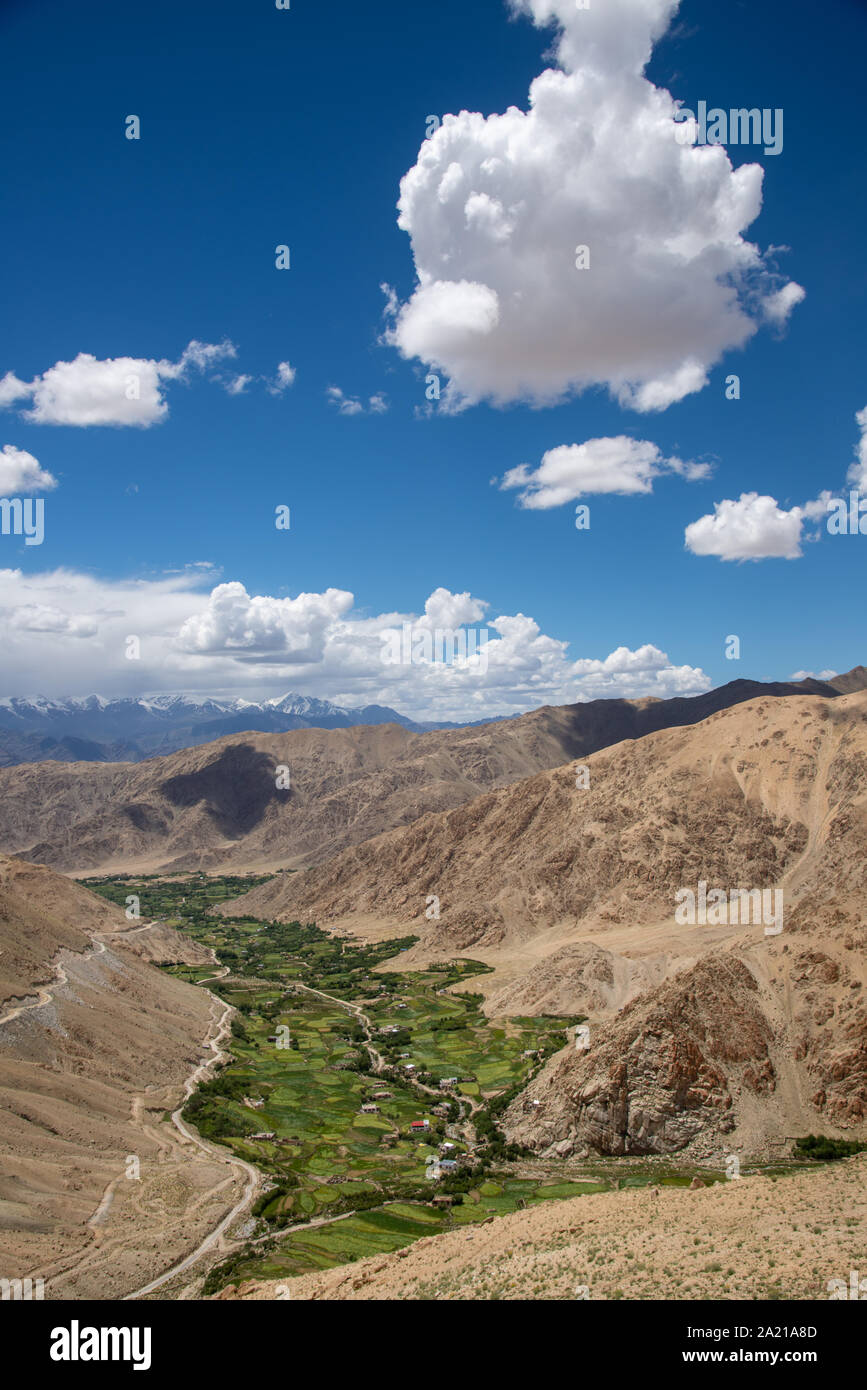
[(489, 1131), (287, 1183), (213, 1122), (826, 1150), (221, 1274), (360, 1063)]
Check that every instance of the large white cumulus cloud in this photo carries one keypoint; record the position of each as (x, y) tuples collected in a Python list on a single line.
[(293, 628), (495, 207), (64, 632)]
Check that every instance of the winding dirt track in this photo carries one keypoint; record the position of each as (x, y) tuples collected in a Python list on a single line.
[(253, 1176), (46, 996)]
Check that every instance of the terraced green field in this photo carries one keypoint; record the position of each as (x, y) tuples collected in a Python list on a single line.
[(303, 1066)]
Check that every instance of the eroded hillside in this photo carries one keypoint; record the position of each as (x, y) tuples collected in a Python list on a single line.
[(97, 1192)]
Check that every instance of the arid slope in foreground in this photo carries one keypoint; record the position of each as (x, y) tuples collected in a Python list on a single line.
[(95, 1044), (754, 1237)]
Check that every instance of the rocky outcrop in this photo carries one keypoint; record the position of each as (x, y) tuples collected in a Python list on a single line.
[(664, 1072)]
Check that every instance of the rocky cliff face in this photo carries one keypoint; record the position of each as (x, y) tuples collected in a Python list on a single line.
[(665, 1072), (747, 1046)]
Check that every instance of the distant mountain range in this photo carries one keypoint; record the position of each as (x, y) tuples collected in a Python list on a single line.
[(216, 806), (93, 729)]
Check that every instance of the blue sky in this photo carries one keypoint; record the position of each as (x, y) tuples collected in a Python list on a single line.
[(262, 127)]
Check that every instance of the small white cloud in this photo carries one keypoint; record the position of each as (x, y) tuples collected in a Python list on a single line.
[(812, 675), (353, 405), (238, 385), (284, 379), (857, 474), (620, 465), (752, 528), (758, 528), (392, 303), (202, 356), (115, 391), (21, 472), (347, 405), (777, 307)]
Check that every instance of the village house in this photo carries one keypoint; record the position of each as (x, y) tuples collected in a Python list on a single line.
[(419, 1126), (448, 1165), (370, 1109), (448, 1081), (265, 1134), (446, 1147)]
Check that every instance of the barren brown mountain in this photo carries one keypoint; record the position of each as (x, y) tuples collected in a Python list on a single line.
[(97, 1191), (698, 1031), (218, 806)]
